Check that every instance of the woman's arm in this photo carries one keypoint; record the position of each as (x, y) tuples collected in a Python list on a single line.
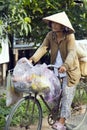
[(71, 51), (41, 51)]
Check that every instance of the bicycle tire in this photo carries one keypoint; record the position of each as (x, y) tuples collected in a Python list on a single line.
[(79, 110), (29, 117)]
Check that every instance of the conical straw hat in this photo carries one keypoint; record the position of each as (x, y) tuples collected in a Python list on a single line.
[(60, 18)]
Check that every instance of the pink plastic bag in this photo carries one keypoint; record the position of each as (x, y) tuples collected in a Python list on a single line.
[(54, 87)]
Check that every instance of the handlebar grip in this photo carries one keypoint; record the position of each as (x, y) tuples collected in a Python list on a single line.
[(53, 66)]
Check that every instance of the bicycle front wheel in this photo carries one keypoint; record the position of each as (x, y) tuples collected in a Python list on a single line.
[(25, 115)]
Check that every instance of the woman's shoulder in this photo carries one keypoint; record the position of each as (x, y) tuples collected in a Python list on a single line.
[(50, 33), (70, 36)]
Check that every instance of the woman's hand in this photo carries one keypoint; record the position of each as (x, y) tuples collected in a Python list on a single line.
[(30, 60), (62, 69)]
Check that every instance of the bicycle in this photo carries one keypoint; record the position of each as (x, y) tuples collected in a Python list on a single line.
[(29, 110)]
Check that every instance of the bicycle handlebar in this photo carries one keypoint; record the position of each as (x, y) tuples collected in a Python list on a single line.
[(54, 66)]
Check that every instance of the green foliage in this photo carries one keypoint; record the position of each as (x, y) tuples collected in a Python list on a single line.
[(24, 17), (78, 20), (85, 4), (16, 17), (3, 27), (4, 111), (0, 48), (81, 93)]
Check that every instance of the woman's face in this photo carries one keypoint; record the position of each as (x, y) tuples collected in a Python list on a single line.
[(56, 26)]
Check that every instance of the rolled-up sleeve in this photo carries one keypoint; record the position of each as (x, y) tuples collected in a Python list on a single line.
[(42, 50), (71, 49)]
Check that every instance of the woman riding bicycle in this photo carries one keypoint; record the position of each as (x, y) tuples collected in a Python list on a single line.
[(61, 43)]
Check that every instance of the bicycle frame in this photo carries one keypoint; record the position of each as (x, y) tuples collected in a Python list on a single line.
[(55, 111)]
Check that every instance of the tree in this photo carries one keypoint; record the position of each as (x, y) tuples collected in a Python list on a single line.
[(24, 17)]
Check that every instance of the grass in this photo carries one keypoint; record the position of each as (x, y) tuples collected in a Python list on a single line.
[(81, 93), (4, 111)]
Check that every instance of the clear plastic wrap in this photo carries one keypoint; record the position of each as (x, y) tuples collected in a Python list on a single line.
[(55, 87), (21, 73), (39, 77), (12, 96)]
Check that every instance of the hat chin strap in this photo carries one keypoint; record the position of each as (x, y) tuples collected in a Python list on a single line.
[(65, 30), (59, 31)]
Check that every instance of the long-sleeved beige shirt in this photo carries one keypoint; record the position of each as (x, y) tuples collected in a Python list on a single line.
[(67, 49)]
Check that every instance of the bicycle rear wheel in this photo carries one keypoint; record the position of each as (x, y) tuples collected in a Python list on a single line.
[(79, 110), (25, 115)]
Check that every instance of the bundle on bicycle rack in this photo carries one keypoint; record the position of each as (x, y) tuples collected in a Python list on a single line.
[(81, 47), (39, 78)]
